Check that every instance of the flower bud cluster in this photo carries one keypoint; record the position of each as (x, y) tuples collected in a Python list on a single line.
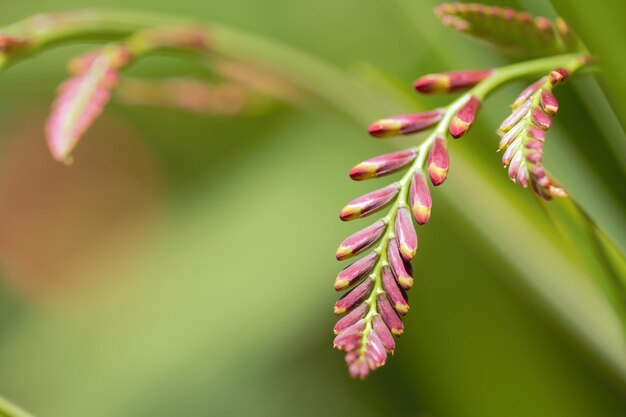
[(524, 132)]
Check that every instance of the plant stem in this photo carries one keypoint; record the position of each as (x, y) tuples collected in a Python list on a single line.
[(8, 409)]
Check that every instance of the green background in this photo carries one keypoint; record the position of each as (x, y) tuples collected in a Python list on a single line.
[(183, 266)]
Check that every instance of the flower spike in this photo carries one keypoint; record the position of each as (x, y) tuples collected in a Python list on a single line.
[(377, 284), (526, 134), (513, 32)]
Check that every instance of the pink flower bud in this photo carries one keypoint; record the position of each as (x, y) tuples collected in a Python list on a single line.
[(374, 353), (358, 368), (528, 91), (383, 333), (399, 269), (355, 271), (405, 234), (398, 301), (536, 133), (350, 338), (450, 81), (544, 26), (540, 118), (389, 315), (360, 240), (421, 201), (465, 117), (382, 165), (557, 76), (514, 166), (404, 124), (564, 31), (549, 104), (534, 156), (354, 296), (516, 116), (511, 135), (438, 162), (522, 176), (369, 203), (510, 152), (352, 317), (534, 144)]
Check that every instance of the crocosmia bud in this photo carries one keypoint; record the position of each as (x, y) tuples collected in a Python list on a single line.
[(447, 82)]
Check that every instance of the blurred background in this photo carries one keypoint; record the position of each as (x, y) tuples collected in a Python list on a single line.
[(183, 265)]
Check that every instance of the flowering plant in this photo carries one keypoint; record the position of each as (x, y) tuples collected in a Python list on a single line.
[(247, 69), (378, 282)]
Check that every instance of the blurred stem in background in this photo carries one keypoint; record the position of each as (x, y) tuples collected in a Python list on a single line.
[(7, 409), (547, 267)]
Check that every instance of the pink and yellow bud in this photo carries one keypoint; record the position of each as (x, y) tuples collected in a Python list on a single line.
[(405, 234), (375, 353), (465, 117), (548, 102), (382, 165), (515, 164), (351, 318), (510, 152), (404, 124), (361, 240), (557, 76), (369, 203), (510, 136), (396, 296), (564, 31), (438, 162), (421, 201), (544, 26), (355, 271), (534, 156), (358, 367), (354, 296), (450, 81), (383, 333), (540, 118), (522, 176), (537, 133), (515, 117), (528, 92), (389, 315), (400, 270), (350, 338)]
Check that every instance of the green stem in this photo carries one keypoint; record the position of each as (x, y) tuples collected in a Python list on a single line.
[(8, 409)]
